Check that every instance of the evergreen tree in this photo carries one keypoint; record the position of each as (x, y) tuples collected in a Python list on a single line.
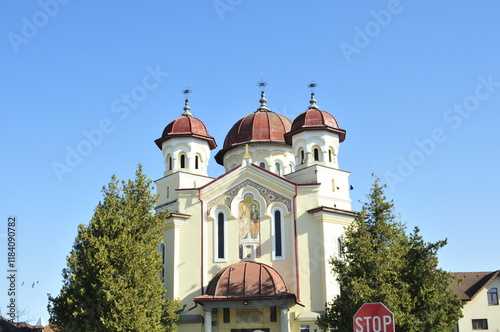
[(380, 263), (112, 280)]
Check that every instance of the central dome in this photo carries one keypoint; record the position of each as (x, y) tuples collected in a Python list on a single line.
[(261, 126)]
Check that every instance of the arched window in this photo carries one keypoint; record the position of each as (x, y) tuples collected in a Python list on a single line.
[(183, 161), (220, 238), (262, 164), (330, 155), (291, 167), (316, 154), (169, 162), (277, 166), (196, 162), (278, 235), (302, 156)]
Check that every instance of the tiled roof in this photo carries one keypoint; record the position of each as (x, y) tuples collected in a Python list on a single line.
[(470, 283), (7, 326)]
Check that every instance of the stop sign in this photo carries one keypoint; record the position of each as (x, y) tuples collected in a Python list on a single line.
[(373, 317)]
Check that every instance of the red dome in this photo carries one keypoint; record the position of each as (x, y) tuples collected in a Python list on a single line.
[(312, 119), (246, 280), (260, 126), (185, 126)]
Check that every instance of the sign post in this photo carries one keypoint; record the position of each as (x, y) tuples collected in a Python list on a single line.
[(373, 317)]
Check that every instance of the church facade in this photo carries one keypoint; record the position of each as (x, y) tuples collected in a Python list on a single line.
[(249, 250)]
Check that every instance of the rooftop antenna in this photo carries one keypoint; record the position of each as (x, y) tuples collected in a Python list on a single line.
[(262, 84), (312, 102), (187, 109)]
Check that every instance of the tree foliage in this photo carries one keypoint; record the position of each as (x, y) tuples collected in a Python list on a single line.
[(381, 263), (112, 280)]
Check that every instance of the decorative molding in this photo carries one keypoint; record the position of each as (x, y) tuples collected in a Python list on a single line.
[(270, 196)]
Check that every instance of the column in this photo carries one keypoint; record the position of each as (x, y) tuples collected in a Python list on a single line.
[(208, 320), (285, 326)]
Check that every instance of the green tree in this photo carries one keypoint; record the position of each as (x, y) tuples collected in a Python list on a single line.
[(381, 263), (112, 280)]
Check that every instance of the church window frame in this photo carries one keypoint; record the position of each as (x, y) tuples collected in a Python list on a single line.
[(197, 161), (220, 236), (182, 160), (263, 165), (278, 234), (302, 156), (278, 169), (316, 153), (163, 252), (169, 162)]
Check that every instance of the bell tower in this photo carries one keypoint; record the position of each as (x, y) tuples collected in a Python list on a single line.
[(315, 137), (185, 144)]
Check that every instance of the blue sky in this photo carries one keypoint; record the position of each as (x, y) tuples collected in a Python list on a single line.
[(416, 85)]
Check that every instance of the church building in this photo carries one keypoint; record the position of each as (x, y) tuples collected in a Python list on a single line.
[(249, 250)]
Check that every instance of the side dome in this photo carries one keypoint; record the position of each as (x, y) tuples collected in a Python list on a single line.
[(261, 126), (186, 126), (246, 280), (314, 119)]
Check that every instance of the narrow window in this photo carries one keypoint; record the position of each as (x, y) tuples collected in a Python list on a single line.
[(479, 324), (340, 248), (162, 252), (302, 157), (493, 296), (330, 155), (278, 168), (169, 163), (196, 162), (291, 168), (168, 192), (278, 236), (183, 161), (226, 315), (262, 164), (316, 154), (220, 235), (273, 316)]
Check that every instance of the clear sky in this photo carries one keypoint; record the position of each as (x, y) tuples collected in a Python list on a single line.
[(87, 86)]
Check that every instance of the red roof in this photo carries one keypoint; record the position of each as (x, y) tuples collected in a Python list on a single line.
[(315, 119), (246, 280), (260, 126), (186, 125)]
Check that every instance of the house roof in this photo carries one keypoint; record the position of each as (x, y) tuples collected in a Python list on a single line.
[(471, 283), (7, 326)]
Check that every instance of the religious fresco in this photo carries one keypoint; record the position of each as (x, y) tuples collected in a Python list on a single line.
[(249, 224), (269, 195)]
